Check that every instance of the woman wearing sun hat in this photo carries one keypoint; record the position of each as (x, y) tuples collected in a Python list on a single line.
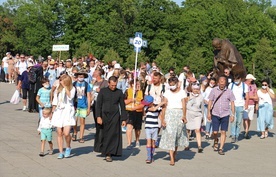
[(253, 99)]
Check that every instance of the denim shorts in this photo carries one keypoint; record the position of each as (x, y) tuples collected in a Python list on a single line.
[(151, 133), (46, 133), (221, 122)]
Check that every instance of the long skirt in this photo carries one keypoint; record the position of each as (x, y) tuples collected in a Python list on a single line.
[(265, 117), (174, 134)]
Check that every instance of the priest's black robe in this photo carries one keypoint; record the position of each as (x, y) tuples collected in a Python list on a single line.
[(110, 106)]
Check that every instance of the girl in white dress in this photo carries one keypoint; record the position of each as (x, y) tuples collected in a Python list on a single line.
[(63, 113)]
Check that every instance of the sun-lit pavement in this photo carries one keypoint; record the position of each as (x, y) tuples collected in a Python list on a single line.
[(20, 146)]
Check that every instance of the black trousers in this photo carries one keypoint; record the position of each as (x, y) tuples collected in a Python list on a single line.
[(33, 106)]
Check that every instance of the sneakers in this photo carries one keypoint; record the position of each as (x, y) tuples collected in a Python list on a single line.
[(67, 152), (24, 108), (41, 154), (137, 144), (60, 156)]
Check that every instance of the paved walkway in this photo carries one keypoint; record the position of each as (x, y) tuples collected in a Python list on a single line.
[(20, 146)]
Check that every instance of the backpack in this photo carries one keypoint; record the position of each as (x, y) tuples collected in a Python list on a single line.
[(32, 75), (76, 96), (47, 74), (25, 62), (162, 91), (243, 94)]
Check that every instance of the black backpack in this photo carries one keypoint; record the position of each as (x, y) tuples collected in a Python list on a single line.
[(32, 75), (76, 96)]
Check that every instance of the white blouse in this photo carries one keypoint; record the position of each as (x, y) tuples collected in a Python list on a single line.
[(264, 97), (175, 99)]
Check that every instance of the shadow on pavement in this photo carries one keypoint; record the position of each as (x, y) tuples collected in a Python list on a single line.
[(5, 102), (81, 151), (89, 137), (230, 146)]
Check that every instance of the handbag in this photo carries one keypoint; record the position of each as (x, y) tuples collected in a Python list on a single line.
[(217, 100), (15, 99)]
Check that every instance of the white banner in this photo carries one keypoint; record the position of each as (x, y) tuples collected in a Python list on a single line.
[(60, 47)]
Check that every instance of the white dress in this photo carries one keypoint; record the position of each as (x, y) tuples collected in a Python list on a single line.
[(64, 113)]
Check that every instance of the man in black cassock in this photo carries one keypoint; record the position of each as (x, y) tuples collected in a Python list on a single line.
[(109, 102)]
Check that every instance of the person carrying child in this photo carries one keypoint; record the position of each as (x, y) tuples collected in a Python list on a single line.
[(45, 129), (151, 124)]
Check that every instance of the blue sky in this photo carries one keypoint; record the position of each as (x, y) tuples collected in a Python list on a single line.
[(177, 1)]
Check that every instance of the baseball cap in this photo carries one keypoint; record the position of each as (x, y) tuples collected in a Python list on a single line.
[(250, 76), (147, 100)]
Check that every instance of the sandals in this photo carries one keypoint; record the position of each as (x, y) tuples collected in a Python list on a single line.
[(81, 140), (171, 163), (108, 158), (74, 137), (215, 146), (266, 134), (262, 137), (220, 152), (148, 161)]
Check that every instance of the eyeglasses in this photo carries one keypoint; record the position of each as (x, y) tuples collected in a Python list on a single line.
[(264, 84)]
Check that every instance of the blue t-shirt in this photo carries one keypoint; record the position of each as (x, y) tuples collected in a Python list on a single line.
[(25, 80), (45, 96), (82, 97)]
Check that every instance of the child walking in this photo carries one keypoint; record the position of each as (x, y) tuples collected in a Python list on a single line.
[(151, 125), (43, 96), (45, 129)]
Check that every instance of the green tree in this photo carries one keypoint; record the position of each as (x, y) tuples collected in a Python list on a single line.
[(112, 55), (165, 59), (130, 61), (264, 60)]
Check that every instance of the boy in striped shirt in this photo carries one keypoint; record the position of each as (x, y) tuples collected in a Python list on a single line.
[(151, 124)]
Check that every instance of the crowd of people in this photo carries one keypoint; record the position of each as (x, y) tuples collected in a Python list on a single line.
[(120, 99)]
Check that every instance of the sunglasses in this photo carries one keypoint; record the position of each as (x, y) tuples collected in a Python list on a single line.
[(264, 84)]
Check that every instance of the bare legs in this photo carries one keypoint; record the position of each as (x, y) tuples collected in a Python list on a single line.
[(129, 134), (65, 131), (173, 156)]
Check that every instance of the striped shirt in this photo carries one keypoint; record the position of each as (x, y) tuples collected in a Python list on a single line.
[(152, 118), (221, 107)]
